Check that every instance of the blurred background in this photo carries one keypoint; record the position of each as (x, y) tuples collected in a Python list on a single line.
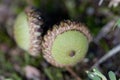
[(102, 18)]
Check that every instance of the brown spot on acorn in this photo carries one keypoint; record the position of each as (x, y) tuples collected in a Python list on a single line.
[(72, 53)]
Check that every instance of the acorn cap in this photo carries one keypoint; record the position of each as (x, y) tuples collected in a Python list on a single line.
[(66, 44), (27, 30)]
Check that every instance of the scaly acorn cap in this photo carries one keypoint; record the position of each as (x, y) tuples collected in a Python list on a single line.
[(66, 44), (27, 30)]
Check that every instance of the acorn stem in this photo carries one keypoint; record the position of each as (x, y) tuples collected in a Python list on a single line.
[(70, 70)]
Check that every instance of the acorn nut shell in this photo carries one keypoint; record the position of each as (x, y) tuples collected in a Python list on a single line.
[(28, 30), (66, 44)]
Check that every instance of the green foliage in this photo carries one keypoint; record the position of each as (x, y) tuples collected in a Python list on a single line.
[(8, 79), (70, 5), (29, 60), (118, 23), (7, 66), (4, 38), (97, 75), (112, 75), (14, 76), (53, 73)]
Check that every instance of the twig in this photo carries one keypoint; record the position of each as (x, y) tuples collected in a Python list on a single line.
[(112, 52), (104, 31), (100, 2), (73, 73)]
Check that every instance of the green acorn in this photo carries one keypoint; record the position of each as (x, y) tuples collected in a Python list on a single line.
[(27, 30), (66, 44)]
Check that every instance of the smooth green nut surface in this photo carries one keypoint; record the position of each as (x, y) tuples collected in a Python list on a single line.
[(69, 47), (21, 31)]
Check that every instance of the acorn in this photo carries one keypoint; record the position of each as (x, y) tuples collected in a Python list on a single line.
[(66, 44), (28, 30)]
